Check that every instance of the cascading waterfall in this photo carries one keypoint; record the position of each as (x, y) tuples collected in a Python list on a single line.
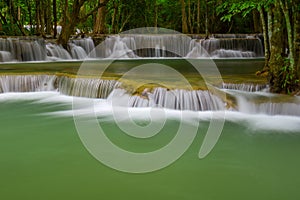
[(260, 102), (196, 100), (25, 49), (175, 44), (5, 56), (226, 48), (87, 44), (82, 87), (77, 52), (245, 87), (55, 52), (27, 83), (86, 87), (132, 46), (156, 45), (249, 98), (120, 49), (97, 88), (36, 49), (269, 106)]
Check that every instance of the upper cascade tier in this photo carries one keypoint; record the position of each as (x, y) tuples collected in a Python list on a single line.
[(132, 46)]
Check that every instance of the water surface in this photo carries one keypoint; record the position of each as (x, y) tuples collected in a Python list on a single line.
[(42, 157)]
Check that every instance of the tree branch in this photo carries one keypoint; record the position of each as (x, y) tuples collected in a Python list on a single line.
[(84, 18)]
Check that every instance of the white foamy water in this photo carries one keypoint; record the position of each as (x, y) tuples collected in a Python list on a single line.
[(104, 111)]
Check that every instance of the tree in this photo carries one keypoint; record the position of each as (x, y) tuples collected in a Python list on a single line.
[(100, 22), (72, 16), (54, 12), (282, 68), (183, 17)]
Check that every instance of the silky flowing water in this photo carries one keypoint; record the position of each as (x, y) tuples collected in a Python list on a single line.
[(42, 157)]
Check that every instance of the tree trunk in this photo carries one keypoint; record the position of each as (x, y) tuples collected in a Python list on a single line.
[(48, 20), (285, 9), (265, 35), (72, 18), (276, 59), (296, 19), (66, 31), (28, 3), (256, 25), (65, 34), (183, 17), (113, 19), (190, 17), (37, 17), (270, 24), (156, 15), (42, 18), (206, 18), (54, 18), (100, 25), (198, 16)]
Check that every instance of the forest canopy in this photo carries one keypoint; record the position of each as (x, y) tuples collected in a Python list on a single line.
[(27, 17)]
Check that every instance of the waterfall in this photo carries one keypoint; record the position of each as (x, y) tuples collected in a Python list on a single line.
[(25, 49), (196, 100), (77, 52), (55, 51), (226, 48), (86, 87), (245, 87), (83, 87), (133, 46), (178, 99), (147, 45), (228, 53), (270, 108), (36, 49), (87, 45), (96, 88), (181, 45), (5, 56), (121, 50), (27, 83), (266, 103)]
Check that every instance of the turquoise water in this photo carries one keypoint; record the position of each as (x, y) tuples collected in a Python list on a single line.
[(42, 156)]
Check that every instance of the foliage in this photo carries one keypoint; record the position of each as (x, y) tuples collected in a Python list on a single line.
[(229, 9), (288, 78), (122, 14)]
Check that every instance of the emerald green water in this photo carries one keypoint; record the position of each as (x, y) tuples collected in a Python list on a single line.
[(42, 157)]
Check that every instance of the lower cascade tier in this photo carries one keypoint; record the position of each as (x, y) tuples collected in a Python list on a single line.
[(246, 98)]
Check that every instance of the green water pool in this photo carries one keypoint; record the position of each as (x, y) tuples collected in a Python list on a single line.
[(42, 157)]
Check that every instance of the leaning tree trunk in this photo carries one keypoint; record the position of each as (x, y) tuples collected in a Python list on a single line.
[(65, 34)]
